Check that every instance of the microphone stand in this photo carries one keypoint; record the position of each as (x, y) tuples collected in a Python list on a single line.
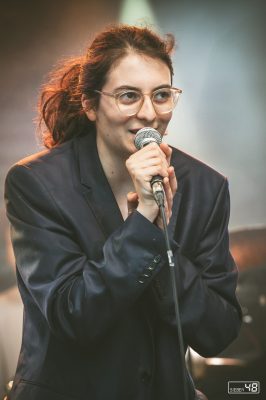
[(159, 197)]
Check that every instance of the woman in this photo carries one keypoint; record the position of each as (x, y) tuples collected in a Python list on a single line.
[(92, 267)]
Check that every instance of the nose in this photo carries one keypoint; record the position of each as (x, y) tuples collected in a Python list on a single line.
[(147, 111)]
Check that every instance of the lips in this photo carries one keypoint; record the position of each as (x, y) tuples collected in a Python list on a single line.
[(134, 131)]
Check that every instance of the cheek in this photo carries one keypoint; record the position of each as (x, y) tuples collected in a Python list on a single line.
[(165, 119), (113, 117), (109, 123), (168, 117)]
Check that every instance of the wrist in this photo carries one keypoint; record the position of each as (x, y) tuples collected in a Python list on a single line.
[(149, 211)]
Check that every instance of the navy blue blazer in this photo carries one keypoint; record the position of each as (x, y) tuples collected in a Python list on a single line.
[(98, 311)]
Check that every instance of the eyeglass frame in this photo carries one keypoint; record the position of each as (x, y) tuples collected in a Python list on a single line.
[(116, 95)]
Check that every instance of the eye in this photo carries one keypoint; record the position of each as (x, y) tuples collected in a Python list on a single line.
[(162, 95), (129, 97)]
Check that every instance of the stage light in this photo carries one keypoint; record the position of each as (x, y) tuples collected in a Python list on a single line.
[(137, 12)]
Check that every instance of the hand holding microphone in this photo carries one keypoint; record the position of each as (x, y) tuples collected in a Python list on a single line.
[(144, 137), (152, 175)]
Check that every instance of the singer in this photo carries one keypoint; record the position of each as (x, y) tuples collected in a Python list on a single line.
[(92, 267)]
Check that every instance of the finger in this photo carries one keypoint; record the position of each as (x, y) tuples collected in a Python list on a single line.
[(145, 173), (149, 162), (154, 159), (168, 198), (132, 202), (172, 179), (152, 149), (167, 151)]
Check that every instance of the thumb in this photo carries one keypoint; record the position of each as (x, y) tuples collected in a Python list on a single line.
[(132, 202)]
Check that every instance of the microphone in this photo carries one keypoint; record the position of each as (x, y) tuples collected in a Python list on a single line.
[(143, 137)]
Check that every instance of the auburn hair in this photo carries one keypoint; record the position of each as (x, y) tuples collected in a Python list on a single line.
[(60, 112)]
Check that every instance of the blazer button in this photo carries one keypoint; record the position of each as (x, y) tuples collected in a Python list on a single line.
[(146, 276), (143, 277), (157, 259)]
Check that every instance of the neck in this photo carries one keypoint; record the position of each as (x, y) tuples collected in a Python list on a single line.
[(115, 170), (114, 166)]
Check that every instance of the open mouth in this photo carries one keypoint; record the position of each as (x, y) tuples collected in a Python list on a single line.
[(134, 131)]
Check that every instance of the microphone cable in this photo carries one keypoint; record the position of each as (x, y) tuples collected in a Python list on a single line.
[(171, 263), (143, 137)]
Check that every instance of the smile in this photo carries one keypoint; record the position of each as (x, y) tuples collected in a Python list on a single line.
[(134, 131)]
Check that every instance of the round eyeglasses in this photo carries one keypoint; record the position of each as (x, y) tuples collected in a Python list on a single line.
[(130, 101)]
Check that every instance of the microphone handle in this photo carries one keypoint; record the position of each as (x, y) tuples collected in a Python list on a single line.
[(158, 190), (155, 179)]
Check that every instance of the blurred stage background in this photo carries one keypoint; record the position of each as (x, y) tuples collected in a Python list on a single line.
[(220, 63)]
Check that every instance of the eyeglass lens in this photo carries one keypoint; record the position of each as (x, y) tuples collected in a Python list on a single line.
[(163, 100)]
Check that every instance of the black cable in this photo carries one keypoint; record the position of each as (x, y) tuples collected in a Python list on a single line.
[(171, 263)]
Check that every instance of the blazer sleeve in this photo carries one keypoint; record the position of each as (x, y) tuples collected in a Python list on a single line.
[(79, 297), (206, 282)]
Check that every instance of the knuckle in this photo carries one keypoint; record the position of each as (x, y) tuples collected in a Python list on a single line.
[(153, 146)]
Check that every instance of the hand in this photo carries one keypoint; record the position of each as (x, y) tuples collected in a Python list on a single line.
[(170, 188), (132, 202), (142, 166)]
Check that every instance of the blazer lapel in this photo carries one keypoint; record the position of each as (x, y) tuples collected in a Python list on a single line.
[(95, 186), (98, 193), (181, 171), (175, 209)]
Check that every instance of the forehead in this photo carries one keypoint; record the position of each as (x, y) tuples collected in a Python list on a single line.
[(138, 71)]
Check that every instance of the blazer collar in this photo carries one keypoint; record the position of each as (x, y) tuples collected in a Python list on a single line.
[(96, 188)]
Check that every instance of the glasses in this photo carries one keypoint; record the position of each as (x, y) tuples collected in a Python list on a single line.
[(130, 101)]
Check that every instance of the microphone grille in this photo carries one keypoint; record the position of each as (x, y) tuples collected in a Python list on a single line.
[(145, 136)]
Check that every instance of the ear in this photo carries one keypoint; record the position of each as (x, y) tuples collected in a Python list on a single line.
[(88, 108)]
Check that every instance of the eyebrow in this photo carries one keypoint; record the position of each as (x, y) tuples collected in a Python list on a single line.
[(126, 87)]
